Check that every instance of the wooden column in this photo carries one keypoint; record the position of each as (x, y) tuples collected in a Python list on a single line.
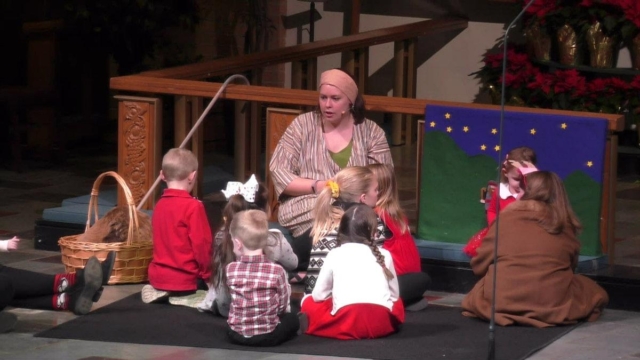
[(410, 88), (296, 75), (350, 26), (398, 91), (139, 145), (255, 129), (404, 85), (239, 141), (187, 110), (43, 135)]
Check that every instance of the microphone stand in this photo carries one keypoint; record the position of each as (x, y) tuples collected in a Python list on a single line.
[(492, 321)]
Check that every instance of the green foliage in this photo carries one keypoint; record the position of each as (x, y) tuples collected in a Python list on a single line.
[(585, 195), (450, 210)]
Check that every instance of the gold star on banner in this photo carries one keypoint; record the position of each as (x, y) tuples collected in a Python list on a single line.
[(465, 129), (432, 124), (483, 147), (563, 126), (494, 131), (449, 129), (447, 116), (497, 148), (532, 131), (589, 163)]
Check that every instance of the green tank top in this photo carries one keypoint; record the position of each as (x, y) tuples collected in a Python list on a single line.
[(342, 157)]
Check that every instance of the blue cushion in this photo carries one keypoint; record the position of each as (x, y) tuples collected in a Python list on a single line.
[(75, 214), (453, 252), (441, 251), (105, 197)]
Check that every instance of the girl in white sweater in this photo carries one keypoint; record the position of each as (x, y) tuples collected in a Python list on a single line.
[(356, 295)]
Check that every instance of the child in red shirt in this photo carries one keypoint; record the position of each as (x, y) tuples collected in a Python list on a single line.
[(182, 241), (507, 192), (398, 240)]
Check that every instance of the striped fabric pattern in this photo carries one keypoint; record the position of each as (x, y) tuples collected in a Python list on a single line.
[(301, 153)]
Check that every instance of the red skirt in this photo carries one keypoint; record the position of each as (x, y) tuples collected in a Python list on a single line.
[(355, 321)]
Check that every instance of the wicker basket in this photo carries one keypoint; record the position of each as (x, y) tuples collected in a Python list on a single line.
[(132, 256)]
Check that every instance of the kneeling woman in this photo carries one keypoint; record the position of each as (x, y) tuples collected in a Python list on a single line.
[(356, 295), (537, 254)]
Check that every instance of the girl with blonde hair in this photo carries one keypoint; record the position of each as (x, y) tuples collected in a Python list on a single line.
[(356, 295), (398, 240), (350, 186)]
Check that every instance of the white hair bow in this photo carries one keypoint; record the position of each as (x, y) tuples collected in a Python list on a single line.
[(248, 190)]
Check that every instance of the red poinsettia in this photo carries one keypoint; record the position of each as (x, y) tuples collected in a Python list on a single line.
[(635, 84), (570, 81), (542, 82), (540, 8), (631, 10), (608, 95)]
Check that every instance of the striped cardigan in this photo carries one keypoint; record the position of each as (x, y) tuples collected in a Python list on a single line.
[(301, 153)]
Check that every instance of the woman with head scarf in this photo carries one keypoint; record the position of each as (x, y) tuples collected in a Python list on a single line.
[(316, 146)]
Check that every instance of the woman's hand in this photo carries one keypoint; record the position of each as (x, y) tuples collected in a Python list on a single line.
[(320, 184)]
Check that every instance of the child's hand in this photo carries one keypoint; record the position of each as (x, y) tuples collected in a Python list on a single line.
[(12, 244), (521, 164)]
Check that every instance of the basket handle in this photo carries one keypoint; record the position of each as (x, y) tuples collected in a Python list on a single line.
[(131, 205)]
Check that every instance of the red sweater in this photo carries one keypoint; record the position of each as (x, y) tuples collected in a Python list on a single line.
[(181, 242), (492, 211), (402, 247)]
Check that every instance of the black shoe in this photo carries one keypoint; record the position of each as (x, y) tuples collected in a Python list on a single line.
[(107, 268), (418, 305), (304, 323), (7, 321), (88, 283)]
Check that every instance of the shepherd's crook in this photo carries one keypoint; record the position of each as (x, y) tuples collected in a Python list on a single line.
[(193, 130)]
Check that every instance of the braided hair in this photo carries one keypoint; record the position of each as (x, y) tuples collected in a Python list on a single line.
[(358, 225)]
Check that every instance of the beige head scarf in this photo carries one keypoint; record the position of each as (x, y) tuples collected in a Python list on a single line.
[(340, 80)]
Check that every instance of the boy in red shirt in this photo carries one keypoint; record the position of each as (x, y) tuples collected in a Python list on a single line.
[(181, 235)]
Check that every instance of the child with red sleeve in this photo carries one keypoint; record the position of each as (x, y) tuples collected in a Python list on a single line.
[(398, 240), (182, 241), (518, 161)]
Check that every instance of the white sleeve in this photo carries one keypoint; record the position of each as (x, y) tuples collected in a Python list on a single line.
[(324, 283), (279, 250), (4, 245), (393, 283)]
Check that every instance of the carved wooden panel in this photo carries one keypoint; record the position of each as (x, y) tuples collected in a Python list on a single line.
[(139, 145), (277, 122)]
